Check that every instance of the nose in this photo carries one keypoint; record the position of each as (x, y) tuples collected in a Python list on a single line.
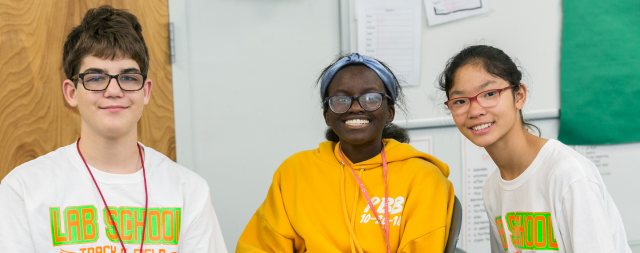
[(113, 89), (355, 107), (475, 109)]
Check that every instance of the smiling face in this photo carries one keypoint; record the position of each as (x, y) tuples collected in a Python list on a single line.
[(113, 112), (357, 126), (486, 126)]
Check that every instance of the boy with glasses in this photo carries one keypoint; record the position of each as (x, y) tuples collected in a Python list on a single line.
[(106, 192)]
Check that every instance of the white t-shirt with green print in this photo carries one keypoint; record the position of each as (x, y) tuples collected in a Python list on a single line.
[(51, 204), (559, 204)]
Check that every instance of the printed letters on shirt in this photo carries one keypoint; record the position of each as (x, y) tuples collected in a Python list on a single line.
[(528, 230), (80, 225)]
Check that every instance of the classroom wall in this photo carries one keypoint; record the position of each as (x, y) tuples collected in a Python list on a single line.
[(528, 31), (251, 69), (245, 98)]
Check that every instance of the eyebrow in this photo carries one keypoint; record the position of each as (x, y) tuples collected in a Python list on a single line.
[(95, 70), (482, 86), (102, 71), (130, 70), (366, 90)]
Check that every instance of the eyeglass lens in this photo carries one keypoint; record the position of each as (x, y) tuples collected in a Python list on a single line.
[(368, 102), (130, 82), (486, 99)]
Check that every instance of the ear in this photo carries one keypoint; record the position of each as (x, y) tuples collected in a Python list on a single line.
[(521, 96), (148, 84), (69, 92), (325, 111), (392, 113)]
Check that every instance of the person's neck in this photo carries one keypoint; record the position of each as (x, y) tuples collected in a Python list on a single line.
[(116, 155), (361, 152), (514, 152)]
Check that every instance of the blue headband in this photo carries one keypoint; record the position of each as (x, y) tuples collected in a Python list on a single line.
[(383, 73)]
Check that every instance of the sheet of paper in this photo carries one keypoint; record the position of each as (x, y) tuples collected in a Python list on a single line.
[(390, 31), (477, 166), (619, 166), (599, 155), (423, 143), (443, 11)]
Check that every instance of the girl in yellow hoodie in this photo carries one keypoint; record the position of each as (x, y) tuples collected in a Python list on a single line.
[(332, 199)]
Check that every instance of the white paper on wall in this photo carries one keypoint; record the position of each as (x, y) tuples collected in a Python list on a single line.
[(477, 166), (443, 11), (390, 31), (619, 166)]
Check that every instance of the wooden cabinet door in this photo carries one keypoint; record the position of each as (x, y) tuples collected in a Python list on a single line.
[(34, 117)]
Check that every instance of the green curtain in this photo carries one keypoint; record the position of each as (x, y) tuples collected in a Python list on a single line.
[(600, 72)]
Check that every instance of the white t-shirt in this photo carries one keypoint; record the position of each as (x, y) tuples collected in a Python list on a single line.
[(51, 205), (560, 203)]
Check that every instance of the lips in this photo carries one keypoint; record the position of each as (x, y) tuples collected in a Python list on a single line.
[(481, 128), (114, 108), (356, 122)]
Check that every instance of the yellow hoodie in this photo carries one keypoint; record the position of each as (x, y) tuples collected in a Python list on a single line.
[(310, 204)]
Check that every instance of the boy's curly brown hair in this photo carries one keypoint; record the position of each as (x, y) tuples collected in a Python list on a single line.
[(108, 33)]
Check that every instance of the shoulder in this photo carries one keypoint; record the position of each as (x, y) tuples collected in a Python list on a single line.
[(420, 166), (491, 183), (321, 156), (163, 167), (563, 165), (420, 173), (301, 156), (45, 167), (490, 189)]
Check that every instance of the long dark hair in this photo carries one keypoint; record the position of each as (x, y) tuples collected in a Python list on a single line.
[(390, 131), (494, 61)]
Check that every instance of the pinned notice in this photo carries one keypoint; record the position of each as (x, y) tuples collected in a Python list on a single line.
[(443, 11), (619, 167), (390, 31), (477, 167)]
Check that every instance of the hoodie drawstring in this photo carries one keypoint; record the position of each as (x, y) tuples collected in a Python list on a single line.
[(350, 222)]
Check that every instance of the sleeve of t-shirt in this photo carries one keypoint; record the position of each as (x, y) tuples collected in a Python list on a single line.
[(585, 219), (202, 233), (495, 241), (15, 234)]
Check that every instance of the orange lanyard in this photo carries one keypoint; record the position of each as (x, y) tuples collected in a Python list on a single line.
[(146, 196), (385, 229)]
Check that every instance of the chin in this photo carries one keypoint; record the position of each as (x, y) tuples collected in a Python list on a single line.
[(481, 141), (116, 130), (357, 140)]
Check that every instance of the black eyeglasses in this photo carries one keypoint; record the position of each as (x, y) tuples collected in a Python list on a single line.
[(100, 81), (370, 102)]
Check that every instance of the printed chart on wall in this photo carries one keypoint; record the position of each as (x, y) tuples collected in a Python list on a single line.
[(443, 11), (390, 31), (619, 166), (477, 167)]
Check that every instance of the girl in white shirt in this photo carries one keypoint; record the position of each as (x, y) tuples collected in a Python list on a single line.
[(544, 195)]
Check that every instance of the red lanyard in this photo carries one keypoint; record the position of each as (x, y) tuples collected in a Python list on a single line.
[(385, 229), (146, 196)]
